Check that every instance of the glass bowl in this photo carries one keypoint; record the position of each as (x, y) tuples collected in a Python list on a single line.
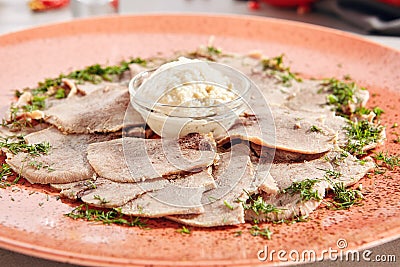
[(148, 88)]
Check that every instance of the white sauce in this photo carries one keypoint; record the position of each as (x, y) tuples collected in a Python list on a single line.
[(188, 87)]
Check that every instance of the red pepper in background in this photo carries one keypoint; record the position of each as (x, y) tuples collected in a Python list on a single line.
[(42, 5), (391, 2)]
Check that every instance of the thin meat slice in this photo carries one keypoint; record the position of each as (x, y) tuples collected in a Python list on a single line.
[(110, 194), (104, 193), (101, 111), (234, 175), (347, 168), (141, 159), (180, 196), (66, 161), (76, 190), (335, 167), (295, 131), (292, 205), (281, 156)]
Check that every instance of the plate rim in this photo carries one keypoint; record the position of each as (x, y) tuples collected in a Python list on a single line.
[(23, 247)]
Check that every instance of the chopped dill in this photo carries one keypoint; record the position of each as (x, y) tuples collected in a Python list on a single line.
[(213, 50), (60, 93), (386, 160), (20, 146), (5, 171), (366, 111), (378, 111), (315, 129), (344, 198), (304, 188), (184, 230), (296, 219), (275, 67), (342, 94), (94, 74), (113, 216), (259, 206), (361, 134), (255, 230), (101, 199), (229, 206), (331, 174), (40, 165)]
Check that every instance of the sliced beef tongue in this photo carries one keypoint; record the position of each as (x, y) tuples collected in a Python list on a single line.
[(347, 169), (290, 203), (335, 167), (296, 132), (182, 195), (101, 111), (65, 162), (139, 159), (233, 175)]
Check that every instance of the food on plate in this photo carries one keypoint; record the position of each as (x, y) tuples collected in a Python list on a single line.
[(79, 133), (140, 159), (189, 95)]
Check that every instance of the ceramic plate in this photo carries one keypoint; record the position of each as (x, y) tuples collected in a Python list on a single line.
[(31, 218)]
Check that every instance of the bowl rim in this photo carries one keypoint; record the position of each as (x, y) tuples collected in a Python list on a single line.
[(237, 101)]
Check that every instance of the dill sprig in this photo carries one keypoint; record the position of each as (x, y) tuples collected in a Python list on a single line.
[(259, 206), (266, 233), (228, 205), (341, 95), (113, 216), (296, 219), (184, 230), (360, 134), (19, 145), (94, 73), (5, 171), (344, 198), (366, 111), (275, 67), (304, 188), (386, 160), (212, 50), (315, 129)]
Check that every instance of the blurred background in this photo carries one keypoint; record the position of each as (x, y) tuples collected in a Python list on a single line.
[(378, 20)]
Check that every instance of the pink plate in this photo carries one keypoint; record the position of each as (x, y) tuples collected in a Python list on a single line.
[(31, 218)]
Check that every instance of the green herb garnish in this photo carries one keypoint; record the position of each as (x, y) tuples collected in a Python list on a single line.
[(5, 171), (315, 129), (184, 230), (342, 94), (113, 216), (304, 188), (60, 93), (213, 50), (275, 67), (264, 233), (386, 160), (40, 165), (344, 198), (361, 134), (229, 206), (20, 146), (259, 206), (101, 199)]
